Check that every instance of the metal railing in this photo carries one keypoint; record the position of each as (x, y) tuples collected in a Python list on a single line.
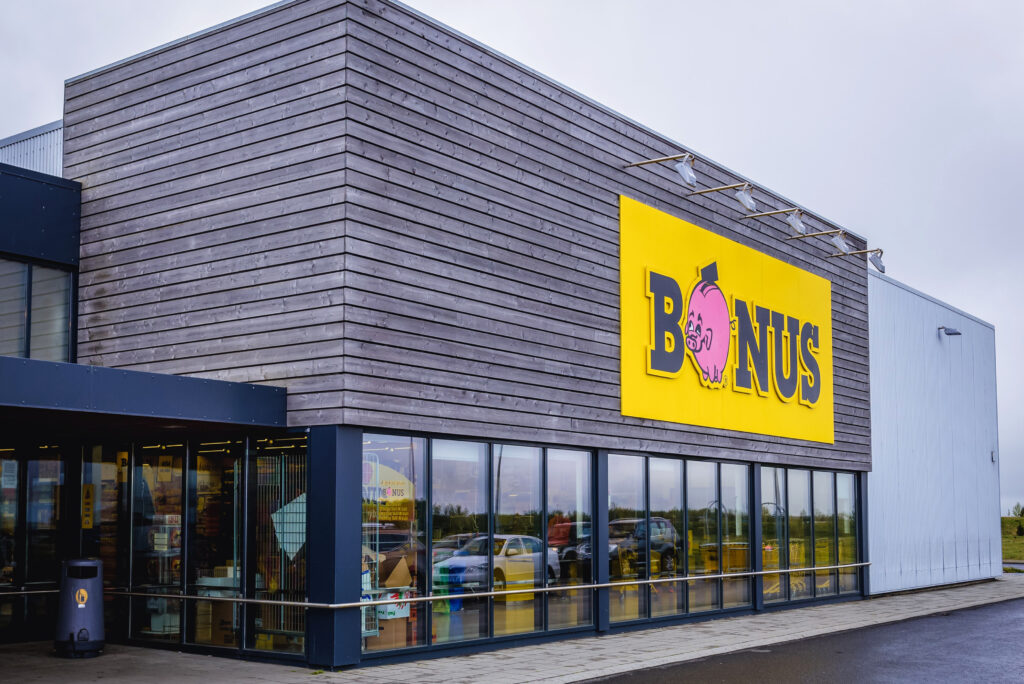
[(443, 597)]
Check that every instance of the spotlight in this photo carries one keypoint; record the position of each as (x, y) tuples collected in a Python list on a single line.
[(793, 219), (744, 197), (874, 256), (950, 332), (876, 260), (684, 167), (743, 194), (839, 242), (795, 223)]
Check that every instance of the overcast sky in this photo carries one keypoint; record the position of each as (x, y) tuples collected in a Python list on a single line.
[(902, 121)]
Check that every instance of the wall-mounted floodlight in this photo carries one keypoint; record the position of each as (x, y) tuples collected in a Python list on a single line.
[(951, 332), (874, 256), (683, 166), (836, 239), (794, 218), (743, 194)]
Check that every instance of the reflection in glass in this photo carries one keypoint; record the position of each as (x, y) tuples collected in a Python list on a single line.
[(45, 479), (13, 291), (702, 517), (569, 536), (824, 533), (278, 516), (51, 305), (773, 533), (156, 530), (667, 560), (523, 562), (105, 472), (735, 533), (8, 522), (394, 541), (799, 482), (627, 536), (215, 562), (461, 552), (846, 497)]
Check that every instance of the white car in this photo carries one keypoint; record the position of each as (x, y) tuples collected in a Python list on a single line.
[(518, 564)]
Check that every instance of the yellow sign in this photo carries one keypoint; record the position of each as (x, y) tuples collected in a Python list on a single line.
[(87, 506), (716, 334), (81, 596)]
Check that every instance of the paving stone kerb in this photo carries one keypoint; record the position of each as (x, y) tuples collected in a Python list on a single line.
[(571, 660)]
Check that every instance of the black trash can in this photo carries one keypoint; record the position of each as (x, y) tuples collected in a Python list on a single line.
[(80, 609)]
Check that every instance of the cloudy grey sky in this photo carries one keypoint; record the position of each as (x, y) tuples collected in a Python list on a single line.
[(898, 120)]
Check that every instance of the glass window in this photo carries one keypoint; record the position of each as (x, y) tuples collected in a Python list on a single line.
[(773, 533), (667, 559), (215, 562), (627, 536), (702, 533), (799, 485), (13, 291), (569, 536), (521, 564), (105, 533), (461, 549), (394, 540), (8, 521), (846, 497), (735, 533), (156, 529), (51, 313), (278, 521), (824, 533)]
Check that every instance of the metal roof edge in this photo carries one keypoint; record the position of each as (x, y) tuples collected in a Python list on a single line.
[(934, 300), (31, 133)]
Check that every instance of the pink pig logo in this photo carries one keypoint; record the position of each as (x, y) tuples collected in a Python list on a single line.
[(708, 327)]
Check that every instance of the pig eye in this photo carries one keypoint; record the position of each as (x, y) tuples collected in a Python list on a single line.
[(698, 330)]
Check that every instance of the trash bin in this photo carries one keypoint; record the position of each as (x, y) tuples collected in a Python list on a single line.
[(80, 609)]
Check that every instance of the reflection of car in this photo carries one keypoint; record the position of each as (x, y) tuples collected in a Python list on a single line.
[(518, 564), (447, 546), (388, 542), (572, 542), (627, 539)]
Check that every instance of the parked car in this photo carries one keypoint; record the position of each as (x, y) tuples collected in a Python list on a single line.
[(627, 546), (446, 547), (571, 541), (519, 562)]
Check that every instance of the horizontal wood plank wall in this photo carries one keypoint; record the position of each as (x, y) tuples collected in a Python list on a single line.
[(213, 206), (406, 229), (482, 255)]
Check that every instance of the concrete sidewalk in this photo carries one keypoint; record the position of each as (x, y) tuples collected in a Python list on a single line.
[(563, 661)]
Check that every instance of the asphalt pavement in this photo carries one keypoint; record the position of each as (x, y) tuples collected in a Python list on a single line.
[(983, 644)]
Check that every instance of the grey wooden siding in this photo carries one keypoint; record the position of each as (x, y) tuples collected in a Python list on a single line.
[(213, 205), (463, 281), (482, 242)]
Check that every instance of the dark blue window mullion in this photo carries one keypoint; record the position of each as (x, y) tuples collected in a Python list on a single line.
[(188, 516), (245, 588), (721, 564), (28, 311), (491, 526), (429, 532), (544, 537), (645, 589), (684, 500)]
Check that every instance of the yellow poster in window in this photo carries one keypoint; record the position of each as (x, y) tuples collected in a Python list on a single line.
[(717, 334)]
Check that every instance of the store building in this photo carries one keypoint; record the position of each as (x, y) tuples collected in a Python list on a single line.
[(388, 349)]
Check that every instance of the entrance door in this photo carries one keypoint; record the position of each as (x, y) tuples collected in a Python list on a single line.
[(31, 509)]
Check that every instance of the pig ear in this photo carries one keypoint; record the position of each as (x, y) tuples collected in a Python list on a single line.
[(707, 337)]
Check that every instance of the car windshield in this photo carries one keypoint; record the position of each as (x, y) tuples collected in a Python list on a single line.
[(478, 547), (621, 529)]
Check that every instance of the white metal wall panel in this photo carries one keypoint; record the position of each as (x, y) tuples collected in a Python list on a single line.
[(40, 149), (933, 491)]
